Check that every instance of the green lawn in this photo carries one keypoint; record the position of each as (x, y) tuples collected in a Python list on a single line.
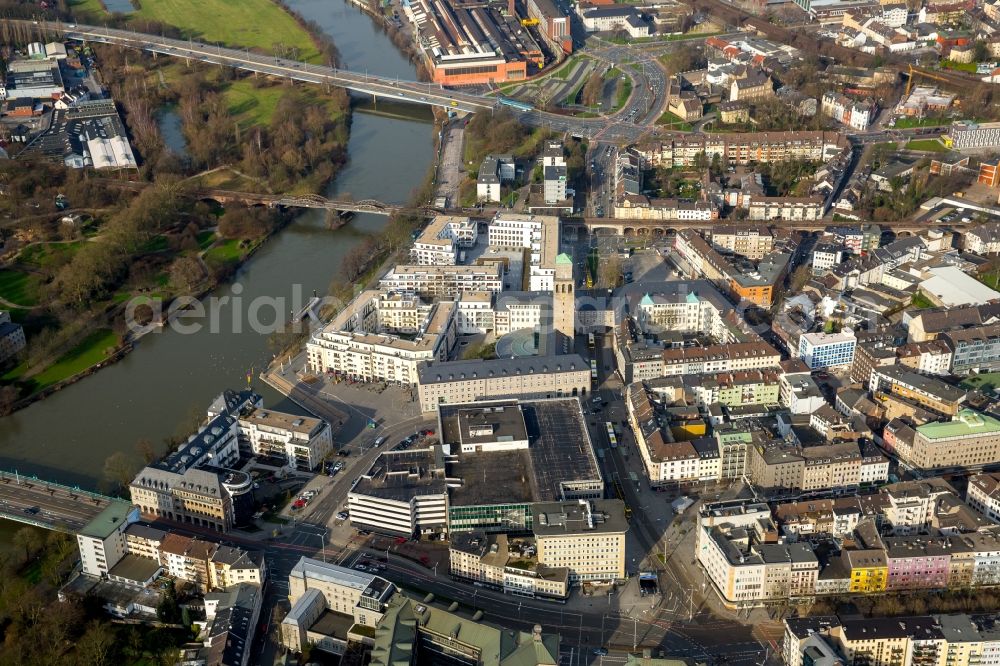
[(675, 123), (921, 301), (93, 7), (19, 287), (986, 381), (563, 72), (253, 106), (224, 252), (624, 92), (91, 351), (905, 123), (927, 145), (47, 254), (960, 66), (205, 239), (256, 24)]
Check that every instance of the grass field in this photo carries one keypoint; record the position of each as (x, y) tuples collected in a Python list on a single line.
[(92, 7), (255, 24), (224, 252), (675, 123), (921, 301), (253, 106), (19, 287), (986, 381), (905, 123), (92, 350), (927, 145), (624, 91), (47, 254), (960, 66)]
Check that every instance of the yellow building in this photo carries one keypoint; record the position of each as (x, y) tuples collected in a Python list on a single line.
[(869, 570)]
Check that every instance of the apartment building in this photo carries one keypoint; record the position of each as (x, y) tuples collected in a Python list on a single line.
[(442, 281), (974, 348), (930, 324), (969, 440), (933, 357), (826, 350), (525, 378), (743, 148), (735, 357), (587, 537), (868, 357), (780, 464), (438, 244), (983, 495), (738, 549), (756, 283), (102, 541), (961, 640), (301, 441), (667, 461), (927, 392), (985, 238), (786, 208), (850, 112), (509, 564), (751, 242), (364, 342), (800, 393)]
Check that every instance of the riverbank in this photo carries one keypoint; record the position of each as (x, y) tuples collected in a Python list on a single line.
[(156, 390), (75, 359)]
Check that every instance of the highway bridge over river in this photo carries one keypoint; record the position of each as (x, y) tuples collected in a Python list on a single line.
[(413, 92), (53, 506)]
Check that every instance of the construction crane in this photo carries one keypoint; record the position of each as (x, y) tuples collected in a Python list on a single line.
[(529, 21)]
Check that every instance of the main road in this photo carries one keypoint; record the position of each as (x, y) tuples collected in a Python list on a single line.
[(610, 129)]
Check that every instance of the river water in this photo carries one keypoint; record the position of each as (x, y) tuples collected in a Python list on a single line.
[(67, 436)]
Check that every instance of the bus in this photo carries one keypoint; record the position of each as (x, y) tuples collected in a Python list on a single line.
[(612, 437), (593, 370)]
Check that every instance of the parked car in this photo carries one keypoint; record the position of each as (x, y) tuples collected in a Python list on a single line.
[(343, 515)]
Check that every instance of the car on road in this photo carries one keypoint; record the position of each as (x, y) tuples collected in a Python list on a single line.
[(380, 441), (343, 515), (600, 652), (343, 452), (32, 510)]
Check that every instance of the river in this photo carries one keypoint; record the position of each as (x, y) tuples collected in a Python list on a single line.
[(169, 376)]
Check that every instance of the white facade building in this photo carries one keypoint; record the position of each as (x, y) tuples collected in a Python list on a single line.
[(102, 542)]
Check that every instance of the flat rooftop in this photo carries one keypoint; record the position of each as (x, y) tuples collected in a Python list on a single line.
[(400, 475), (580, 517), (559, 451)]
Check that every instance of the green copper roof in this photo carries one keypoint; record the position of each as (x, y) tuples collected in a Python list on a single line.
[(563, 258), (646, 300), (967, 422)]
